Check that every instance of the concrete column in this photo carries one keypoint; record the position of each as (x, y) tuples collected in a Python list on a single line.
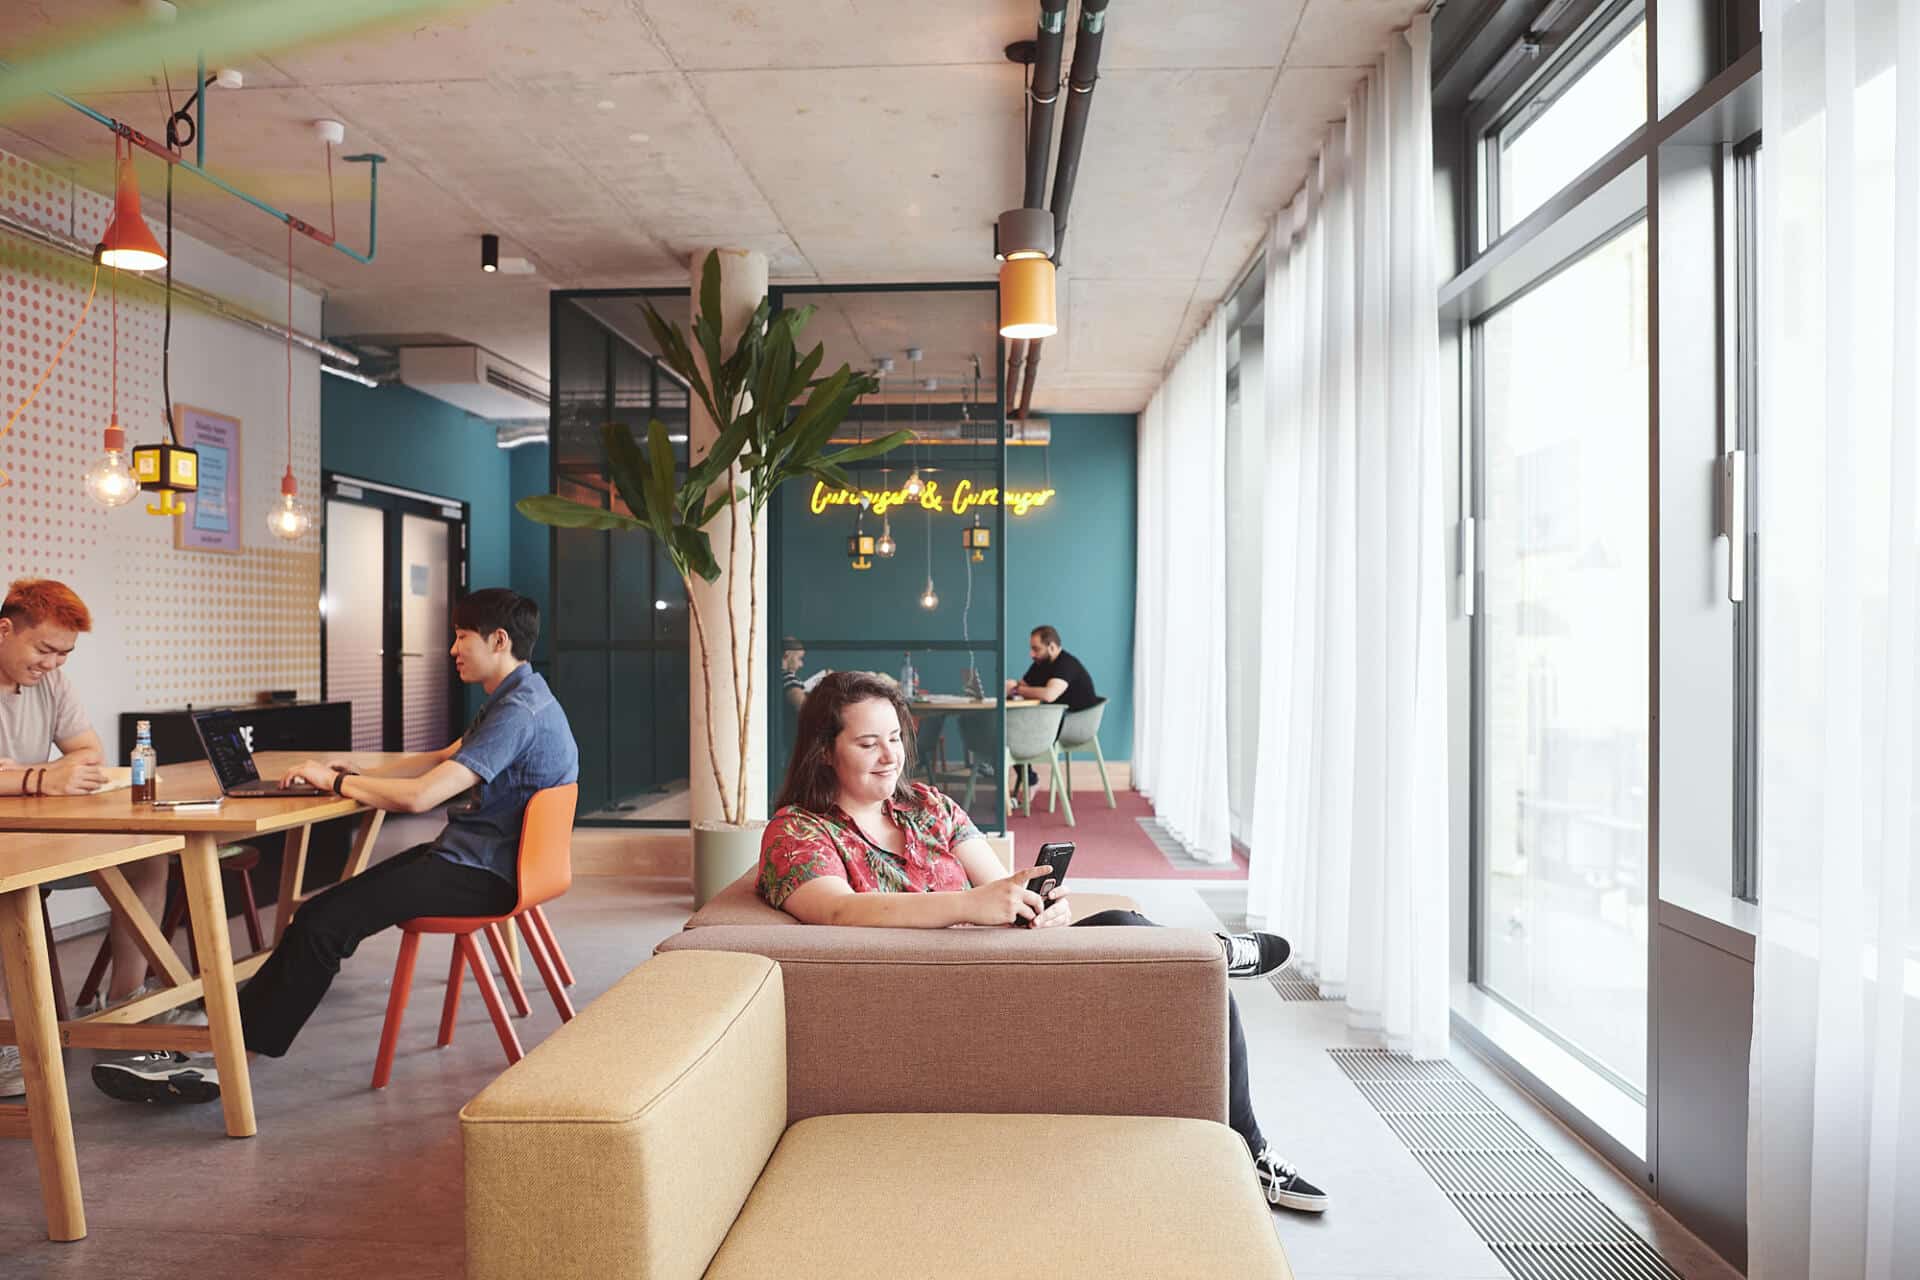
[(743, 283)]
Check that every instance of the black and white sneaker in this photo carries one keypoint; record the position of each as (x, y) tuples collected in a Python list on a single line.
[(159, 1077), (1283, 1185), (1254, 955)]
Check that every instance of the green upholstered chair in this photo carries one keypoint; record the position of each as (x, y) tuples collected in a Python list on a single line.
[(1030, 740), (1079, 731)]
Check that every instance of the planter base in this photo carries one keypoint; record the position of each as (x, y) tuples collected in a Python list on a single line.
[(722, 853)]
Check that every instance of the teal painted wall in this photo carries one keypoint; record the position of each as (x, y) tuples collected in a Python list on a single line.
[(396, 435), (1070, 563)]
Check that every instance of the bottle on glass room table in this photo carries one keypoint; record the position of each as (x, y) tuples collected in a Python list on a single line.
[(907, 679), (145, 764)]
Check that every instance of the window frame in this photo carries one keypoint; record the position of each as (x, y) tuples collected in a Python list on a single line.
[(1584, 36)]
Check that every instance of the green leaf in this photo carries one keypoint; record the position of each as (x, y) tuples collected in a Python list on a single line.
[(871, 449), (661, 495), (628, 467), (692, 553), (833, 475), (721, 455), (564, 513)]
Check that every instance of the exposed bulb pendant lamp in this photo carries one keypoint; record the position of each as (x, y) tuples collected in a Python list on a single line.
[(288, 517), (929, 599), (1027, 304), (914, 484), (885, 547), (128, 244), (110, 481)]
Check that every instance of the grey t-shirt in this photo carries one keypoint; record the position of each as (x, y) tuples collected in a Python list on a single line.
[(35, 716)]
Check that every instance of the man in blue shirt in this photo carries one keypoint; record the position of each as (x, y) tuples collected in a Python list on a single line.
[(519, 744)]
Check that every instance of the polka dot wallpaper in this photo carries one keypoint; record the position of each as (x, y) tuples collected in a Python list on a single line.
[(171, 626)]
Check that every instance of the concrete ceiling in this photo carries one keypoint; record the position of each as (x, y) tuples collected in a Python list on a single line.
[(852, 141)]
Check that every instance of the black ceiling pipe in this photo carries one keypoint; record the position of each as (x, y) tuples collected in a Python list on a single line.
[(1073, 130), (1042, 93), (1016, 349), (1033, 372)]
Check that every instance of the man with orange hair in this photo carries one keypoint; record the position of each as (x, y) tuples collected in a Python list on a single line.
[(40, 623)]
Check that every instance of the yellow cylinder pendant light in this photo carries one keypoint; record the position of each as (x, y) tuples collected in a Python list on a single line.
[(1027, 298)]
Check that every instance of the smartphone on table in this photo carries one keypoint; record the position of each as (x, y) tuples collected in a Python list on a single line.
[(1054, 856)]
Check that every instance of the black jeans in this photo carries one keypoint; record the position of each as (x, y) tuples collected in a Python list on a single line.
[(288, 988), (1239, 1096)]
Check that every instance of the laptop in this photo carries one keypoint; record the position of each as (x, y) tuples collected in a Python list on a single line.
[(223, 735)]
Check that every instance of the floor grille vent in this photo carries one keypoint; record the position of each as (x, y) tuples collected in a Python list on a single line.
[(1175, 849), (1294, 985), (1538, 1220)]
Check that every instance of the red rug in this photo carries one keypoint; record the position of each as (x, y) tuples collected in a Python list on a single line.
[(1110, 843)]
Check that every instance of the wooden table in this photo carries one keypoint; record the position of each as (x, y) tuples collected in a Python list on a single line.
[(200, 835), (26, 863)]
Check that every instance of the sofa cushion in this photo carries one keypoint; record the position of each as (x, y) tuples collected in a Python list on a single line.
[(870, 1197), (740, 903)]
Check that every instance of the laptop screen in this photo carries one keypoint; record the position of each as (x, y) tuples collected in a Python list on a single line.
[(226, 743)]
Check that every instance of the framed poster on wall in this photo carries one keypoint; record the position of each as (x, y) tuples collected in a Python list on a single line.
[(211, 521)]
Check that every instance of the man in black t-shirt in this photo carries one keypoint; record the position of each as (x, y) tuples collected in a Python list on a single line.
[(1055, 676)]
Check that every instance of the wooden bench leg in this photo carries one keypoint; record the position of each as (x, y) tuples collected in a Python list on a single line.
[(23, 951)]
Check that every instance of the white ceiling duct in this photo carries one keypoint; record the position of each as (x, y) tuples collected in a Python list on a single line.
[(475, 379)]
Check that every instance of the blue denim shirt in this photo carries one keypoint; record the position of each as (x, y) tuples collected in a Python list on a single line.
[(520, 743)]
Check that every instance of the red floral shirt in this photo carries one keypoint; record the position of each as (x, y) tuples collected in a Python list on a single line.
[(800, 845)]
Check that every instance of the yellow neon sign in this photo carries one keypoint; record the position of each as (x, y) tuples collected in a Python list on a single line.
[(966, 496)]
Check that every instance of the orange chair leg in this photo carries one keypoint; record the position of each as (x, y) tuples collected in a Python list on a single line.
[(396, 1008), (553, 944), (60, 1010), (496, 1008), (515, 992), (98, 973), (548, 975), (250, 911), (451, 1009)]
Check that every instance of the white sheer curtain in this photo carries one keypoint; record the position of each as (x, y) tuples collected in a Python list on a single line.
[(1180, 604), (1349, 849), (1834, 1132)]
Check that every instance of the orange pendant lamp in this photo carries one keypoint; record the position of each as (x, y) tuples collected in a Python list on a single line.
[(128, 244)]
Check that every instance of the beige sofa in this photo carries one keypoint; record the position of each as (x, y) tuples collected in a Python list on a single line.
[(960, 1103)]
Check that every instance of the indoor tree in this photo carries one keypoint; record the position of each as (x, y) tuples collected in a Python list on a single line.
[(775, 419)]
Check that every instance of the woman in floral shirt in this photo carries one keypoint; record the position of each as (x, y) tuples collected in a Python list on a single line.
[(854, 842)]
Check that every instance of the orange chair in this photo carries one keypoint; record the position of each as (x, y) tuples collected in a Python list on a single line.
[(545, 872)]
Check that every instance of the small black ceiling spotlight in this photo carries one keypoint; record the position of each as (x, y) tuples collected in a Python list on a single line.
[(489, 253)]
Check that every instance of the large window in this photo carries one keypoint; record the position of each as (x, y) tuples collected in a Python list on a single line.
[(1564, 650)]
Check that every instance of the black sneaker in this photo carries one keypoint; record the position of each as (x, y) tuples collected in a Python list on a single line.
[(1283, 1185), (1254, 955), (159, 1077)]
